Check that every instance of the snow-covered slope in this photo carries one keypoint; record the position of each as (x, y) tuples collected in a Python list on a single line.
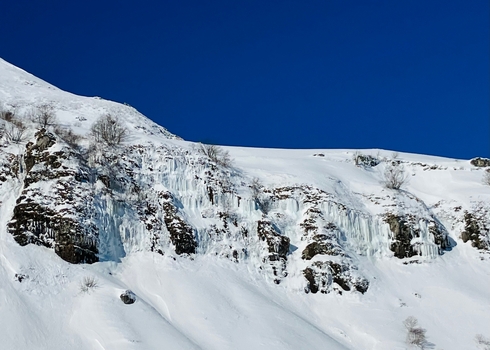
[(272, 249)]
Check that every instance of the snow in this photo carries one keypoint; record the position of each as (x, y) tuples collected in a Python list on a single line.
[(207, 302)]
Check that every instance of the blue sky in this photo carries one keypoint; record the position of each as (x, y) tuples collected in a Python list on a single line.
[(409, 76)]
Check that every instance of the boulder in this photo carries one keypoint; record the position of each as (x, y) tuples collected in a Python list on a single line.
[(128, 297)]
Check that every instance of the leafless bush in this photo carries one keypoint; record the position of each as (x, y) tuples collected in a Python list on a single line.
[(355, 157), (44, 115), (394, 176), (67, 135), (14, 132), (486, 177), (216, 154), (255, 188), (88, 283), (482, 342), (7, 115), (415, 334), (263, 202), (109, 130)]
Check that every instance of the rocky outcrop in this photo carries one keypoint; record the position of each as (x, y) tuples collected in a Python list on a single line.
[(37, 224), (55, 204), (277, 246), (480, 162), (406, 230), (402, 236), (324, 276), (476, 229), (181, 233), (365, 160)]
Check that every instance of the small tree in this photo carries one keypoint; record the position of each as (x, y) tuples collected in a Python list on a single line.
[(486, 177), (67, 135), (216, 154), (109, 130), (415, 334), (394, 176), (14, 133), (355, 157), (261, 200), (256, 188), (44, 115)]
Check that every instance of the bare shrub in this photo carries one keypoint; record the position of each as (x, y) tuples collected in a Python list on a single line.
[(216, 154), (44, 115), (263, 202), (482, 342), (355, 157), (88, 283), (486, 177), (14, 132), (394, 176), (256, 188), (109, 130), (415, 334), (67, 135), (7, 115)]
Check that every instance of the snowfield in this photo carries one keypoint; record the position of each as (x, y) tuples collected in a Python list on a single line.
[(241, 284)]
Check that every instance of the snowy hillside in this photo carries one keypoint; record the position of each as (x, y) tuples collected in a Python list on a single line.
[(227, 247)]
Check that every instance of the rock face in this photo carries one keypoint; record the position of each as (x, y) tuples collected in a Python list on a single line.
[(93, 202), (181, 234), (407, 233), (54, 216), (111, 201), (277, 246), (322, 275)]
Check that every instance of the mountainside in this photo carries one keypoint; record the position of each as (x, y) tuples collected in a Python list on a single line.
[(226, 247)]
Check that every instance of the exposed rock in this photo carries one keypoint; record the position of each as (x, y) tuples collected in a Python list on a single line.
[(34, 151), (404, 231), (277, 246), (181, 233), (33, 223), (55, 214), (20, 277), (366, 160), (476, 231), (323, 276), (44, 140), (315, 248), (480, 162), (128, 297), (402, 236)]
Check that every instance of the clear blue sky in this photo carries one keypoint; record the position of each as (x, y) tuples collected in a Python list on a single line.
[(407, 75)]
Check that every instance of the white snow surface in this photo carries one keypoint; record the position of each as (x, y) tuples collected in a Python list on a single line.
[(208, 302)]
